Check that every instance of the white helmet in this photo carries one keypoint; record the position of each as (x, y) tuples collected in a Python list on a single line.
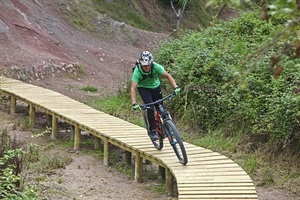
[(146, 58)]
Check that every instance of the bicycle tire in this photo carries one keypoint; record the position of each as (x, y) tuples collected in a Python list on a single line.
[(158, 144), (176, 141)]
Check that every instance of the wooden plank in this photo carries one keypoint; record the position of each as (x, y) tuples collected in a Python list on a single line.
[(210, 181), (224, 197), (202, 166), (206, 186), (219, 169), (197, 163), (237, 175), (219, 192)]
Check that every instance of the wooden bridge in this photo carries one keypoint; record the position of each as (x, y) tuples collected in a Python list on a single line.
[(208, 175)]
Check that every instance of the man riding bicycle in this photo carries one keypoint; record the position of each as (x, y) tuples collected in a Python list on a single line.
[(145, 79)]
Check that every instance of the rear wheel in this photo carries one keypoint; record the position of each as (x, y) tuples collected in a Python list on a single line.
[(176, 141), (158, 144)]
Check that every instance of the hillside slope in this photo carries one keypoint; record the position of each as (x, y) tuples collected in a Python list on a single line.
[(39, 46)]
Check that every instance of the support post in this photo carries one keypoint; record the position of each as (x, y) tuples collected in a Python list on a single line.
[(138, 168), (162, 172), (77, 137), (31, 115), (97, 143), (54, 127), (49, 120), (72, 132), (106, 152), (169, 182), (13, 104), (128, 155)]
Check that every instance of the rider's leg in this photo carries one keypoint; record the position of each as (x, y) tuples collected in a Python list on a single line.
[(156, 95), (146, 95)]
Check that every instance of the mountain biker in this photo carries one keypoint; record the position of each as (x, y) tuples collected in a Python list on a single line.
[(145, 79)]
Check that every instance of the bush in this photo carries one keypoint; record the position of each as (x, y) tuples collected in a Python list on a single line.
[(10, 171), (225, 87)]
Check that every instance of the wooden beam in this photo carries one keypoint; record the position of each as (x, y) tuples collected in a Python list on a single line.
[(31, 114), (97, 143), (162, 172), (106, 152), (77, 137), (13, 104), (138, 167), (54, 126), (128, 155), (49, 120), (169, 183), (72, 132)]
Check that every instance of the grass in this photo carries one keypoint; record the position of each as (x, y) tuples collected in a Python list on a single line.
[(214, 141), (125, 169), (94, 17), (278, 172), (81, 15), (116, 10), (89, 88), (23, 123), (156, 188), (47, 160)]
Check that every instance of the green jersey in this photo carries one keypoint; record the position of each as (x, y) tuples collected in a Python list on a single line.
[(148, 79)]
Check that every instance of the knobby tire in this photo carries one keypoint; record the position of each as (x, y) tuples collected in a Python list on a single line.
[(176, 141)]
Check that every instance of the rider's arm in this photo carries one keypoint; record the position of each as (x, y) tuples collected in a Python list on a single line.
[(170, 79), (133, 92)]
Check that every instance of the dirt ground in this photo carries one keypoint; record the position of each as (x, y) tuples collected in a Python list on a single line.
[(40, 47), (84, 178)]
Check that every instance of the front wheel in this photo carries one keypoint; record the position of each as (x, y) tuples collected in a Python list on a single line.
[(175, 141)]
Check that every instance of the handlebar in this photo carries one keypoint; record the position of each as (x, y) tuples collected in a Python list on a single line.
[(169, 97)]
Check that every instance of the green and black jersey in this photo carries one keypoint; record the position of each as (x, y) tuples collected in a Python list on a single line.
[(148, 79)]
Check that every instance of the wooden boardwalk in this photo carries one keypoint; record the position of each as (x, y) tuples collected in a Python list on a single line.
[(208, 174)]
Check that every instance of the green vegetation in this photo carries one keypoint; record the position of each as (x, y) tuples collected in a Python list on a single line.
[(81, 15), (221, 91), (90, 88), (17, 162), (122, 10), (236, 101), (103, 18), (23, 122), (156, 188), (11, 158)]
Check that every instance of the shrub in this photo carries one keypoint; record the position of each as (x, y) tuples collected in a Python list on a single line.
[(226, 87)]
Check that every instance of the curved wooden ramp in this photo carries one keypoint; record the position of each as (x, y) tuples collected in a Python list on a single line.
[(208, 175)]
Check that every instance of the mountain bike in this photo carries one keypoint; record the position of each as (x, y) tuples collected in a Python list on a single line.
[(165, 128)]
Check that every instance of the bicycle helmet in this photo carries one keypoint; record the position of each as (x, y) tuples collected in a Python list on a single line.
[(146, 58)]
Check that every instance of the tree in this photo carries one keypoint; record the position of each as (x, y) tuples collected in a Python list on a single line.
[(180, 12)]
